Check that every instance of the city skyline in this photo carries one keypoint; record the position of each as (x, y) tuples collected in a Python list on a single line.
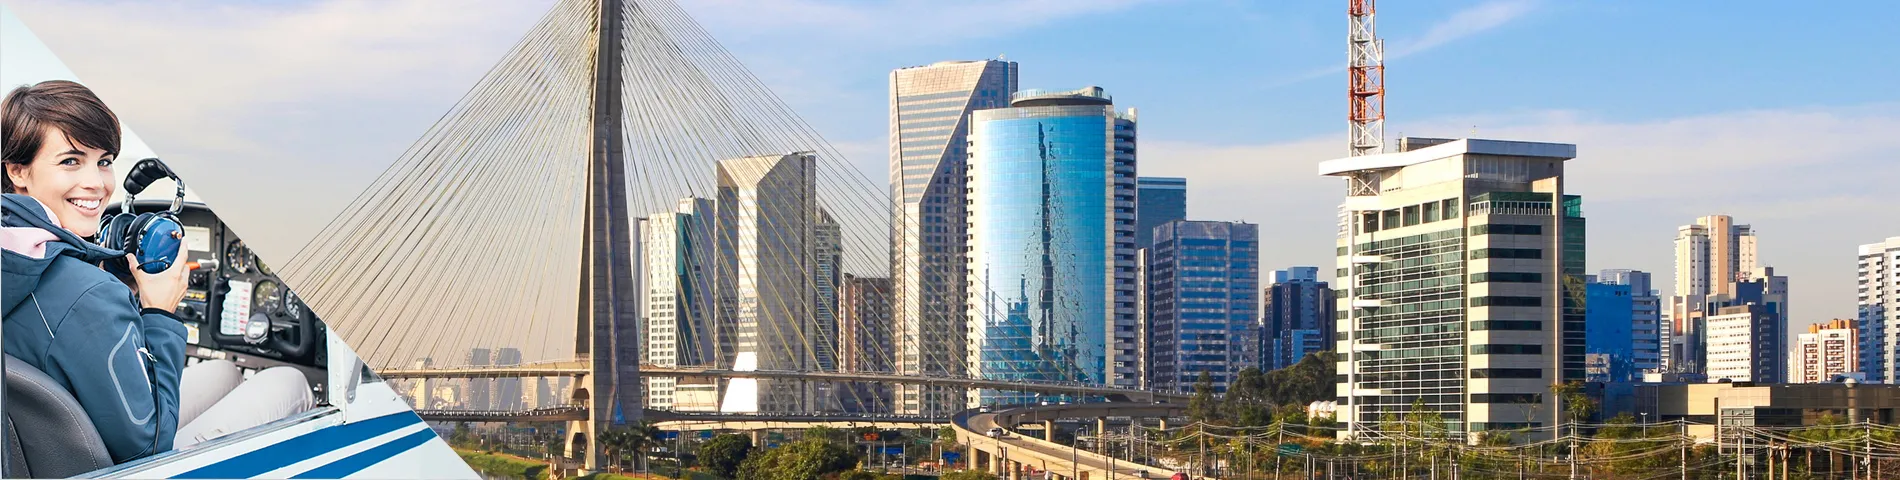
[(1593, 88), (1767, 123)]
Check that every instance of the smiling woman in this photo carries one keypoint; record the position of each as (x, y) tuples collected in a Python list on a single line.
[(61, 142), (116, 344)]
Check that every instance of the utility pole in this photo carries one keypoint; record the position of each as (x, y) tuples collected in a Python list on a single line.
[(1867, 462), (1682, 430)]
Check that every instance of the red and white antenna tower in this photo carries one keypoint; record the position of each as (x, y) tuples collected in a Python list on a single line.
[(1367, 89)]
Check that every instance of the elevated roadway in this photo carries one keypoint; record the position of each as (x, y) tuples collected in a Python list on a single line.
[(571, 369), (1011, 455)]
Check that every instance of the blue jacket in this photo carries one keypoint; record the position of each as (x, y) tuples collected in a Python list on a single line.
[(83, 327)]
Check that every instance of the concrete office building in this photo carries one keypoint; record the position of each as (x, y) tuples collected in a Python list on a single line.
[(1748, 340), (1745, 344), (1204, 277), (1712, 254), (764, 286), (1052, 243), (1709, 407), (480, 392), (1879, 310), (929, 125), (507, 394), (1297, 317), (1827, 351), (1461, 272), (1158, 200), (678, 258), (864, 341)]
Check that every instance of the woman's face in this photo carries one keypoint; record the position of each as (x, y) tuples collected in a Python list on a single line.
[(73, 181)]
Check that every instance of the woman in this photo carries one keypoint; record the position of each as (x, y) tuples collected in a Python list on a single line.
[(119, 354), (118, 348)]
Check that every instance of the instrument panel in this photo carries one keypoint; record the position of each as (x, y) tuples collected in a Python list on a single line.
[(235, 308)]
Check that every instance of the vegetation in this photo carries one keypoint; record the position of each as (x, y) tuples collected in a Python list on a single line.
[(863, 475), (801, 460), (724, 454), (968, 475), (504, 465)]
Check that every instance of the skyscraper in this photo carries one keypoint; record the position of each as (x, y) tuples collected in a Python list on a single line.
[(864, 330), (508, 389), (930, 107), (1204, 279), (1646, 328), (1746, 329), (766, 235), (1879, 310), (1827, 350), (678, 258), (1461, 264), (480, 390), (1159, 200), (1052, 243), (1610, 343), (1743, 344), (1297, 317), (1712, 254)]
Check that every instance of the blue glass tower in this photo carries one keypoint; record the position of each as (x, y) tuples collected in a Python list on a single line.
[(1205, 288), (1051, 238), (1610, 349)]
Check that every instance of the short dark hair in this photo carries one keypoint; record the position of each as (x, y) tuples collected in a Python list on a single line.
[(67, 106)]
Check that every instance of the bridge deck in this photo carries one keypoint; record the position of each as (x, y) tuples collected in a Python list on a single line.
[(566, 369)]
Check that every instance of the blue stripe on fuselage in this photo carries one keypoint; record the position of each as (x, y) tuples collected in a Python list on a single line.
[(282, 454), (361, 460)]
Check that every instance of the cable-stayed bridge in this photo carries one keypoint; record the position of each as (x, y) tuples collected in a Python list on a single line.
[(621, 202)]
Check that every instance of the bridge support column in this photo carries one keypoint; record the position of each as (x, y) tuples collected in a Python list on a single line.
[(1049, 430), (1164, 423), (1101, 427)]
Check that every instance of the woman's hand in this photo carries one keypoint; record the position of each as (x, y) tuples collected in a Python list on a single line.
[(162, 290)]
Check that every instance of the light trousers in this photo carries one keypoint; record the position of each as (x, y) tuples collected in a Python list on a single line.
[(215, 399)]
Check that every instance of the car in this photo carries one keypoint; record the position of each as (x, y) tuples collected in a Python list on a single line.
[(997, 432), (983, 409)]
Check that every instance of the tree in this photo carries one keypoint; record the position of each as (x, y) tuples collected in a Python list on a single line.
[(1201, 405), (462, 436), (968, 475), (824, 433), (863, 475), (723, 454), (801, 460)]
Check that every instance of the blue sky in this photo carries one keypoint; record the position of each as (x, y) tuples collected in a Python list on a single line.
[(1778, 113)]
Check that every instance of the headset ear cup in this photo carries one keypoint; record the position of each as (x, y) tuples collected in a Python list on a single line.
[(116, 230)]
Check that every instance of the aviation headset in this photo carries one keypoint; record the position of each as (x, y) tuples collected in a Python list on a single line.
[(153, 238)]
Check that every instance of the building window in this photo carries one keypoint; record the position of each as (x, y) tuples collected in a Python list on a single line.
[(1506, 229), (1507, 277), (1514, 325), (1505, 301), (1520, 253), (1506, 398), (1507, 373), (1506, 349)]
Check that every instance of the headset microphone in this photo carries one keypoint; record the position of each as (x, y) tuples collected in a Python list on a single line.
[(154, 239)]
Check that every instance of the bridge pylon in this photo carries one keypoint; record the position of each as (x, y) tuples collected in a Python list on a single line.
[(607, 323)]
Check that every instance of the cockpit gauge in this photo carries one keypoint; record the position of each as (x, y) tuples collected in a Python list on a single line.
[(293, 306), (238, 257), (267, 297)]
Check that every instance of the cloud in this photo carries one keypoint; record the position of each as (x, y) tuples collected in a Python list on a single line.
[(893, 23), (1465, 23), (272, 110), (1814, 181)]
